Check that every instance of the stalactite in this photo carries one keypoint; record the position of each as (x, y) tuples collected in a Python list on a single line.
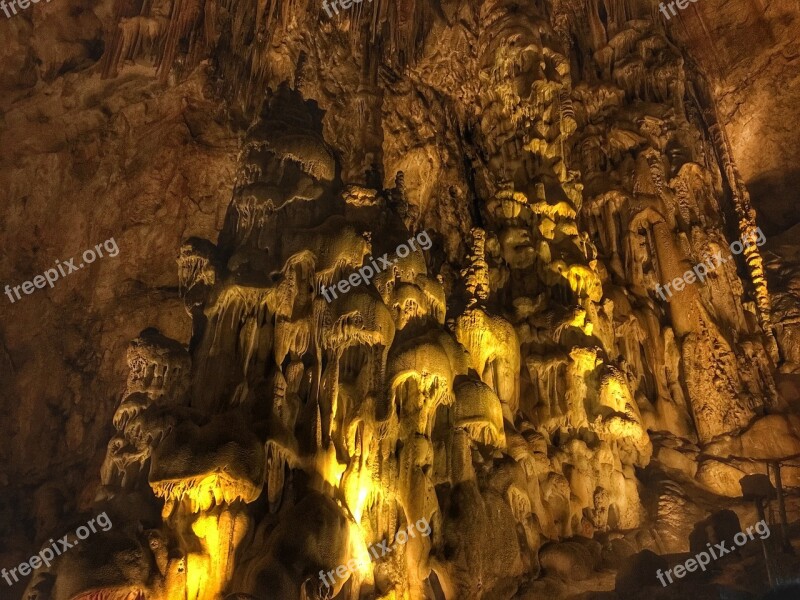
[(744, 212)]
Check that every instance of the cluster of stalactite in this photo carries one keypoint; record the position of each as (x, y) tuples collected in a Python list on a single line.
[(503, 384)]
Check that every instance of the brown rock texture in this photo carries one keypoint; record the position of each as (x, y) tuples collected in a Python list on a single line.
[(514, 388)]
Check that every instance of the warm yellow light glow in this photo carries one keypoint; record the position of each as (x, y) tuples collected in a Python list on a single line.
[(204, 502), (220, 531), (582, 279), (197, 579), (329, 467), (579, 320), (204, 492), (363, 493), (358, 546), (586, 359)]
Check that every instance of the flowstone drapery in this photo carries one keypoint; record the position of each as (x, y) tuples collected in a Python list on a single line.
[(509, 384)]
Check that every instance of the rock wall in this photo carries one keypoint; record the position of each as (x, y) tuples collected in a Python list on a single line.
[(521, 180)]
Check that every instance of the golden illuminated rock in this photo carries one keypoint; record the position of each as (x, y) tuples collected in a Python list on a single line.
[(518, 382)]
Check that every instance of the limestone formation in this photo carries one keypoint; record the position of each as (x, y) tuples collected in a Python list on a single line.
[(521, 385)]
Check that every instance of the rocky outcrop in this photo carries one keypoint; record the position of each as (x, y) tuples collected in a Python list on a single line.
[(517, 381)]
